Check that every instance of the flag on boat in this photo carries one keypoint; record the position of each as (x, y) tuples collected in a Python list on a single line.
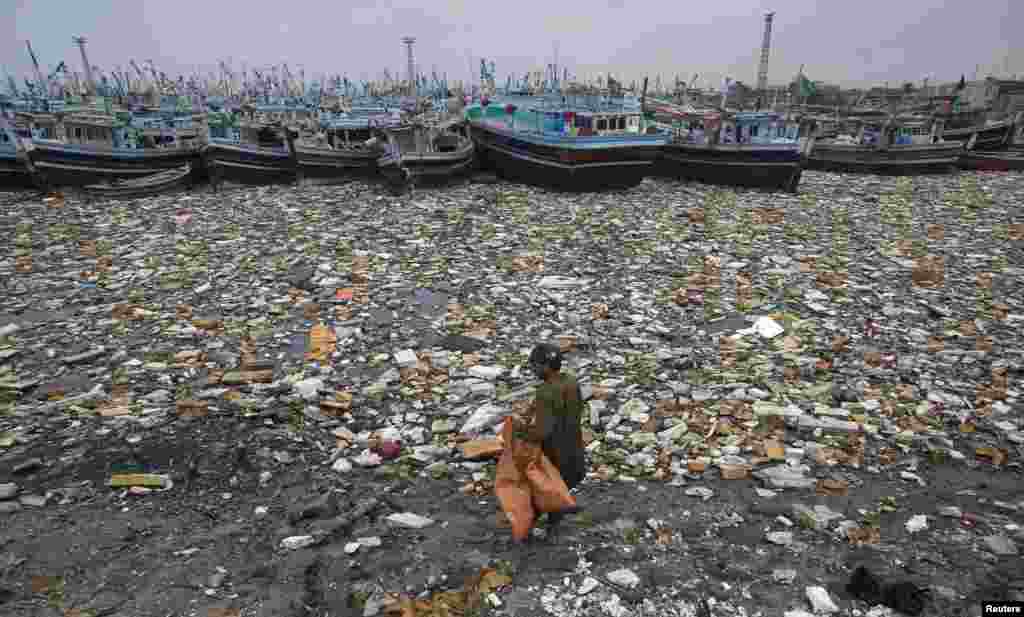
[(806, 86), (955, 104)]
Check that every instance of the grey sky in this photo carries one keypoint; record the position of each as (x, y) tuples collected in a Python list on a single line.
[(849, 42)]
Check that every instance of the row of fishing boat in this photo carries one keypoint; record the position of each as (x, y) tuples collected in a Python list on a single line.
[(132, 151), (570, 138), (583, 141)]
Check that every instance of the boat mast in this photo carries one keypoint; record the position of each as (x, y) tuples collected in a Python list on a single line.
[(156, 78), (556, 84), (11, 84), (90, 82), (39, 72), (142, 76)]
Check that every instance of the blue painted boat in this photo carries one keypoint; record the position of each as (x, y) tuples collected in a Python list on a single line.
[(886, 145), (567, 144), (751, 149), (352, 142), (90, 146), (248, 151), (425, 154), (13, 171)]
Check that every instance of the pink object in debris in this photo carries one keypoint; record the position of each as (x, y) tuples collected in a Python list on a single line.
[(183, 216), (389, 449)]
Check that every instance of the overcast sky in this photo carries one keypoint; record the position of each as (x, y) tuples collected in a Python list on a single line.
[(855, 43)]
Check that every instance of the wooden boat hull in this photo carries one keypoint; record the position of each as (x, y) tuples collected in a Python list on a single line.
[(316, 162), (161, 182), (428, 168), (13, 172), (990, 138), (747, 166), (401, 169), (565, 167), (246, 164), (896, 160), (59, 165), (1012, 160)]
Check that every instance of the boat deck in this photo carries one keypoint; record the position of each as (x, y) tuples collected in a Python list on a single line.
[(410, 140)]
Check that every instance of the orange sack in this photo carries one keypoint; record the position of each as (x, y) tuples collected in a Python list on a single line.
[(550, 493), (512, 487)]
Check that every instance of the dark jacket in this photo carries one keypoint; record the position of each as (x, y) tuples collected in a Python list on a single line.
[(557, 412)]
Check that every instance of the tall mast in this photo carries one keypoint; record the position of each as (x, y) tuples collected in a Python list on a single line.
[(142, 76), (799, 83), (408, 41), (35, 65), (90, 83), (766, 45), (156, 78), (555, 66), (11, 84)]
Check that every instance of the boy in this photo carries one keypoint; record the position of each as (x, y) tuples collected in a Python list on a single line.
[(556, 413)]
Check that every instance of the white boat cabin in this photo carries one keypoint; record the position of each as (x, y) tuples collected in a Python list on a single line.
[(562, 122), (905, 134), (595, 123), (758, 128), (914, 134)]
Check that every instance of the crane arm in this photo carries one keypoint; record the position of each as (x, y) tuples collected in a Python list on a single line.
[(35, 65)]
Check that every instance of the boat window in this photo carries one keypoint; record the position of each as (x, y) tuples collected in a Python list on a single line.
[(753, 130), (602, 124), (78, 132)]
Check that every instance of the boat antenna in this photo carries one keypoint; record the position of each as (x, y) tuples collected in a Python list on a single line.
[(555, 66), (35, 65)]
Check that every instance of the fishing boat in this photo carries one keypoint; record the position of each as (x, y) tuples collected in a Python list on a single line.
[(249, 151), (14, 172), (347, 144), (989, 136), (161, 182), (886, 145), (84, 148), (591, 144), (1009, 158), (752, 149), (426, 154)]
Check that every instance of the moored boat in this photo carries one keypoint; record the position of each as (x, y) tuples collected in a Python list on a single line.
[(161, 182), (14, 172), (248, 152), (886, 146), (347, 146), (1010, 158), (990, 136), (591, 145), (751, 149), (423, 154), (85, 148)]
